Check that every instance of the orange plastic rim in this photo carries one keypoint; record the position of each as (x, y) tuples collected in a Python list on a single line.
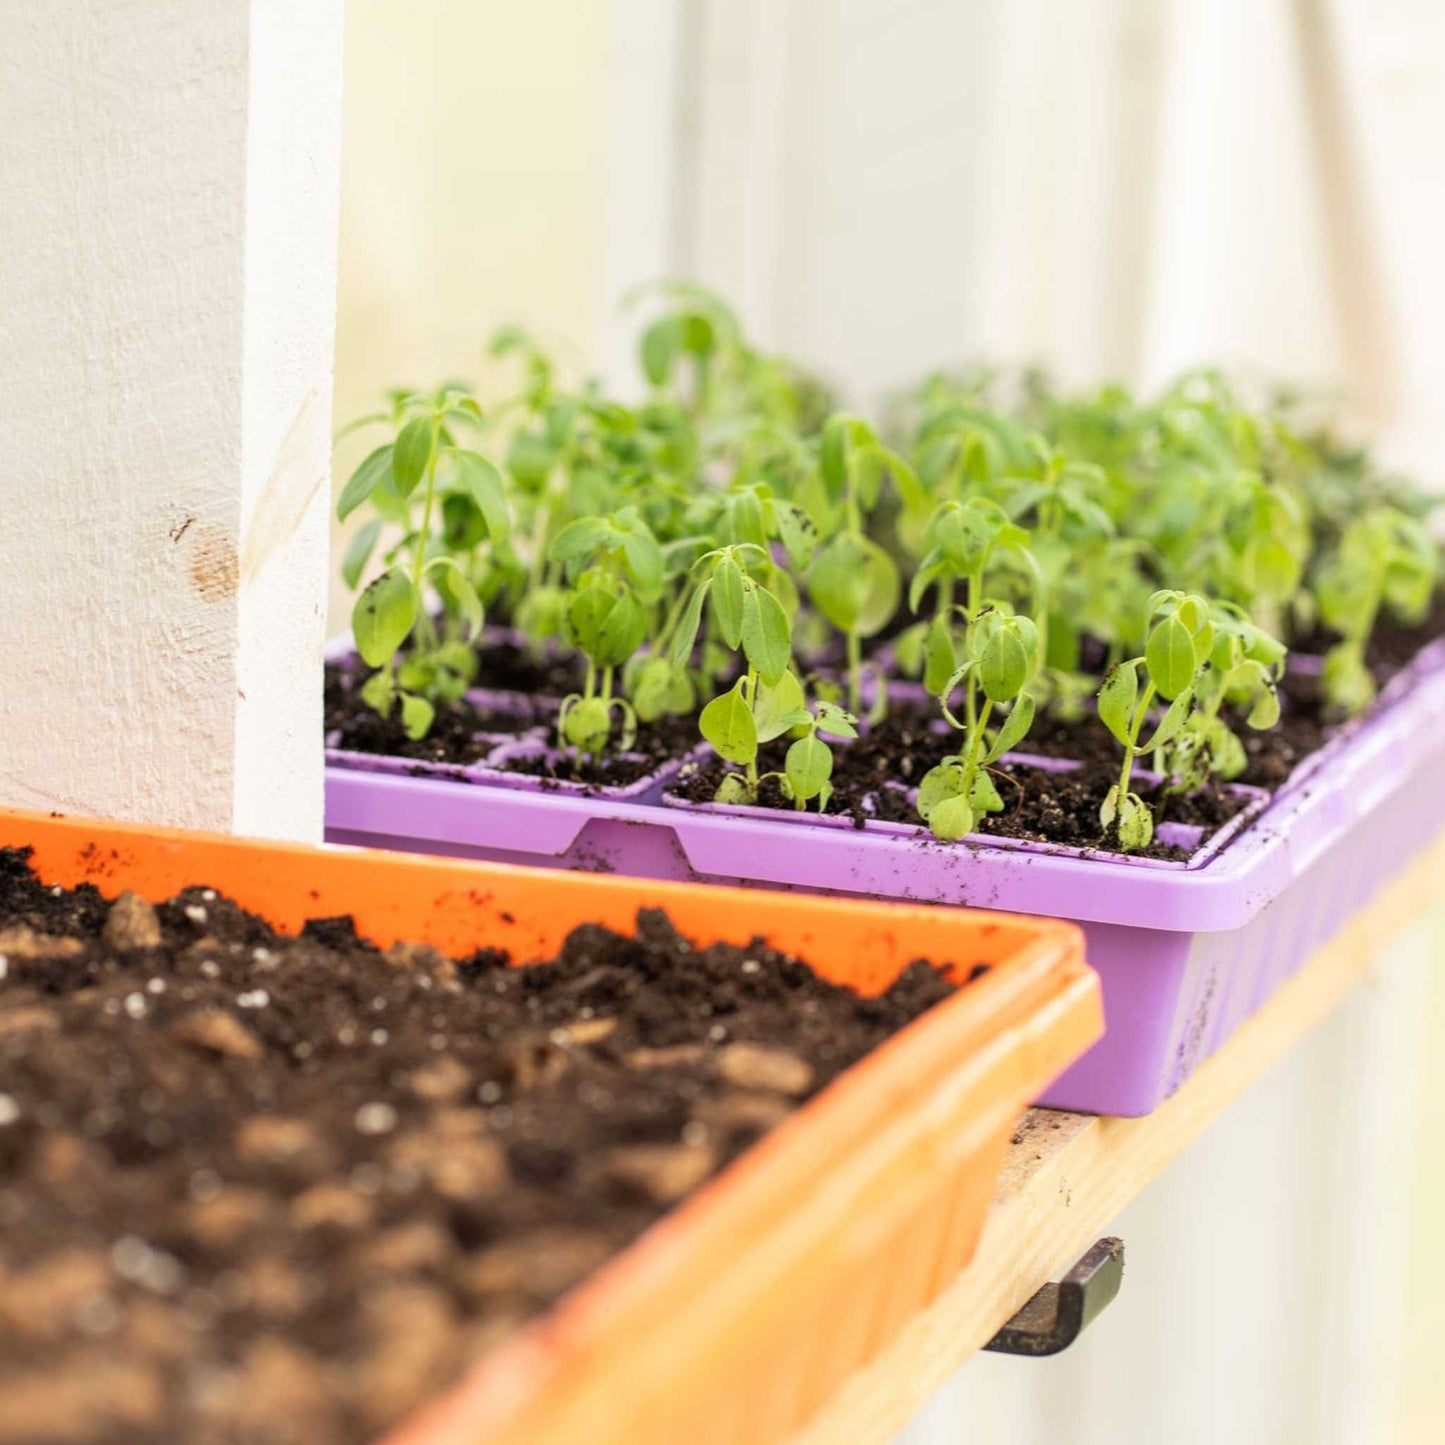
[(738, 1314)]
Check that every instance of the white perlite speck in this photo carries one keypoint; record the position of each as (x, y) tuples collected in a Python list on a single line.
[(9, 1109), (195, 913), (256, 998), (379, 1118), (143, 1264), (135, 1005)]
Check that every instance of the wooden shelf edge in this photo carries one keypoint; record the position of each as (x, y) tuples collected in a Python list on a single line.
[(1067, 1176)]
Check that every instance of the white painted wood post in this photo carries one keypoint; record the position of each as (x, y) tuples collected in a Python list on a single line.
[(169, 175)]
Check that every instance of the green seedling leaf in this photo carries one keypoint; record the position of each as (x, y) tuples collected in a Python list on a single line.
[(1136, 824), (661, 345), (587, 724), (1265, 712), (384, 616), (363, 481), (685, 638), (835, 721), (779, 707), (746, 515), (1014, 729), (727, 723), (1170, 656), (727, 601), (644, 562), (622, 631), (808, 768), (579, 539), (458, 593), (1004, 664), (378, 692), (797, 533), (483, 483), (951, 819), (1171, 723), (766, 633), (983, 796), (940, 784), (940, 659), (417, 715), (1118, 698), (733, 789), (411, 454), (358, 552)]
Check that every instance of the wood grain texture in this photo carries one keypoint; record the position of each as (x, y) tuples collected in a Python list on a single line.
[(1068, 1175)]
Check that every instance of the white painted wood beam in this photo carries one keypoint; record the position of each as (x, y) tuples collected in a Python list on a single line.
[(169, 177)]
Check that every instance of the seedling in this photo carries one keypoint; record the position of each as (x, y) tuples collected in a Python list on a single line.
[(615, 568), (1001, 653), (1243, 672), (1180, 641), (426, 595), (1385, 560), (753, 712), (853, 581)]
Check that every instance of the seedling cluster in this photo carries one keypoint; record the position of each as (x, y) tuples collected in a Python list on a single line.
[(733, 548)]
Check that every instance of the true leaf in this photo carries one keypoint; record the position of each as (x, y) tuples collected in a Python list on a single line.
[(1014, 729), (383, 616), (683, 640), (660, 346), (1170, 657), (1003, 667), (727, 601), (358, 552), (578, 539), (779, 707), (1170, 724), (766, 635), (644, 561), (727, 723), (363, 482), (483, 483), (411, 454), (458, 591), (797, 532)]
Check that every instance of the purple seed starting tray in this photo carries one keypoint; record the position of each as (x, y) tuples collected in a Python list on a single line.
[(1186, 950)]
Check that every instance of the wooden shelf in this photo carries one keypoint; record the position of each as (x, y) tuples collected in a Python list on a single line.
[(1067, 1176)]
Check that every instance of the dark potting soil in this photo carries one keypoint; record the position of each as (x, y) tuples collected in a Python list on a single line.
[(656, 743), (1273, 754), (1040, 806), (453, 739), (1392, 645), (900, 749), (506, 666), (273, 1189)]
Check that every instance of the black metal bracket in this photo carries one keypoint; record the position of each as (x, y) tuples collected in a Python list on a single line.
[(1058, 1314)]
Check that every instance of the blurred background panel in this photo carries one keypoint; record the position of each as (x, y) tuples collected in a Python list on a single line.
[(1119, 189), (472, 192)]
